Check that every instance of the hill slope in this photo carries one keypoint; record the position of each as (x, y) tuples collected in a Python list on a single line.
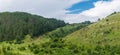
[(49, 44), (101, 38), (16, 25), (106, 31), (61, 32)]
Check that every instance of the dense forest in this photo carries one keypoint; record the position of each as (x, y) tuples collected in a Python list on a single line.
[(18, 24)]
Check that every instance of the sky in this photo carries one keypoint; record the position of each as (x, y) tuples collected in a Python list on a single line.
[(71, 11)]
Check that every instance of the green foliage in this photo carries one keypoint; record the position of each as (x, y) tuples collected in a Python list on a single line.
[(54, 46), (101, 38), (63, 31), (18, 24)]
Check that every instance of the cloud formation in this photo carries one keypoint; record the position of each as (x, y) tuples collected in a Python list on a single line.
[(57, 9), (101, 9)]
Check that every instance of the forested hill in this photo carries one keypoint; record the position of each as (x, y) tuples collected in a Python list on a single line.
[(15, 25)]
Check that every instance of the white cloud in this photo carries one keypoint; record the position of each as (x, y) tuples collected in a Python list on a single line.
[(101, 10), (56, 9)]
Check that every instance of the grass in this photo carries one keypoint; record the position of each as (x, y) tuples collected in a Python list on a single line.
[(106, 31)]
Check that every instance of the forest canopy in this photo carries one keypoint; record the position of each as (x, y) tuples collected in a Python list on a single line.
[(15, 25)]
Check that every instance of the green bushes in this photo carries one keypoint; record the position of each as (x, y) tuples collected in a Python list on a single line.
[(58, 47)]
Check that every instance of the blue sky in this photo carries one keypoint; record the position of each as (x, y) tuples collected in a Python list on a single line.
[(82, 6), (71, 11)]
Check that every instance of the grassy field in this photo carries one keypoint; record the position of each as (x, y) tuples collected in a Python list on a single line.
[(101, 38)]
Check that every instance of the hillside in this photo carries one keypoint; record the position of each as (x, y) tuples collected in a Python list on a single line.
[(69, 28), (50, 43), (61, 32), (101, 38), (106, 29), (15, 25)]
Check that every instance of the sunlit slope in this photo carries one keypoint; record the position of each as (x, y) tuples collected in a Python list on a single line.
[(106, 31)]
